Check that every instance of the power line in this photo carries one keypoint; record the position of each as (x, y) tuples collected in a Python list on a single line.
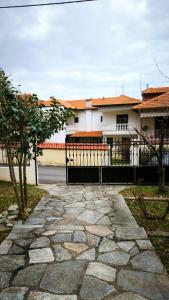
[(46, 4)]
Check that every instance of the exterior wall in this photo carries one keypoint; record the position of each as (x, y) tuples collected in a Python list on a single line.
[(55, 157), (83, 157), (31, 179), (96, 124), (150, 122)]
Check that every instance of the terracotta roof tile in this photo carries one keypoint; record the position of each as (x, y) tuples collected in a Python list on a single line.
[(119, 100), (87, 134), (72, 146), (161, 101), (156, 90)]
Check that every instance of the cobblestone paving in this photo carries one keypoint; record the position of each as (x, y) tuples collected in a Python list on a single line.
[(81, 243)]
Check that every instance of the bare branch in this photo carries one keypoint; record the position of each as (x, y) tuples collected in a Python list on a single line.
[(159, 70), (148, 143)]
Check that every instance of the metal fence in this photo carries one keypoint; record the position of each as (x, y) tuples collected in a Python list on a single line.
[(115, 160), (4, 158)]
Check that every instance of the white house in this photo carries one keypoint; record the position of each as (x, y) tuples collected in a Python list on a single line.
[(97, 118)]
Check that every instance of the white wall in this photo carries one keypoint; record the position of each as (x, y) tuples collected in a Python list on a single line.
[(109, 118), (31, 178)]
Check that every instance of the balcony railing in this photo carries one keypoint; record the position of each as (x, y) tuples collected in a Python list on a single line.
[(119, 127)]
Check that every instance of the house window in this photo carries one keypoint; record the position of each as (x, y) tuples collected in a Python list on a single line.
[(76, 119), (101, 119), (122, 119)]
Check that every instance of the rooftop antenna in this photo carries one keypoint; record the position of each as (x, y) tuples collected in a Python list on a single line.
[(140, 84), (147, 86), (122, 87)]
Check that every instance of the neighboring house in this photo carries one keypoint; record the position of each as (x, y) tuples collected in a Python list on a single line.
[(99, 118), (154, 107)]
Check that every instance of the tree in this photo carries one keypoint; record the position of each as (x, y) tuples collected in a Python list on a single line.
[(24, 123)]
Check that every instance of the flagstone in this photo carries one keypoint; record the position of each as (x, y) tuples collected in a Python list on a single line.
[(88, 255), (101, 271), (107, 245), (76, 247), (99, 230), (144, 245), (90, 216), (13, 293), (63, 278), (40, 256), (11, 262), (61, 254), (29, 276), (47, 296), (147, 261), (95, 289), (117, 258), (126, 246)]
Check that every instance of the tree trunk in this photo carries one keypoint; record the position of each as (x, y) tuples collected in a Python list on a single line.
[(12, 176), (25, 180)]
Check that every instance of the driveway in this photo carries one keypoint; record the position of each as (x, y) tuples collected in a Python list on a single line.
[(51, 174), (81, 243)]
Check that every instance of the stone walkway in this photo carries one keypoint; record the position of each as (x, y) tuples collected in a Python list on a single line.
[(81, 243)]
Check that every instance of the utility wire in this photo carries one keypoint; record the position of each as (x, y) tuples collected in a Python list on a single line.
[(46, 4)]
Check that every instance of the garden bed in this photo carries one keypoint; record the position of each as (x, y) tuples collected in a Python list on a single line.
[(7, 198), (158, 230)]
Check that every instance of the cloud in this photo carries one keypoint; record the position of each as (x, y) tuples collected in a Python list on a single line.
[(84, 50)]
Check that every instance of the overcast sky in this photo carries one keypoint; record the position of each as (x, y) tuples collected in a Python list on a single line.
[(85, 50)]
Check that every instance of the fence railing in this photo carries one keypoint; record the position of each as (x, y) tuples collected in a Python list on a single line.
[(121, 152), (4, 158)]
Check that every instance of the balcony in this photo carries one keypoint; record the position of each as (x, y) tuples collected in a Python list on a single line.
[(120, 128)]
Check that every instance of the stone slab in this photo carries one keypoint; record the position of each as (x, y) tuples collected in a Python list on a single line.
[(101, 271), (61, 254), (99, 230), (63, 278), (150, 285), (93, 240), (126, 246), (79, 236), (147, 261), (61, 237), (43, 255), (144, 245), (95, 289), (128, 296), (4, 279), (5, 246), (107, 245), (116, 258), (88, 255), (47, 296), (29, 276), (124, 233), (13, 293), (90, 216), (76, 247), (11, 262), (41, 242)]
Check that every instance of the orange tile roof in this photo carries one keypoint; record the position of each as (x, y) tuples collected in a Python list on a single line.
[(71, 146), (87, 134), (161, 101), (90, 104), (119, 100), (156, 90)]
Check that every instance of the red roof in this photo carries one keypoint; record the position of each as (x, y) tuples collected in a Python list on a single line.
[(161, 101), (87, 134), (156, 90), (75, 146), (90, 104), (119, 100)]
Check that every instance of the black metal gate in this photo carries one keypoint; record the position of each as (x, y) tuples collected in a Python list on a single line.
[(120, 161)]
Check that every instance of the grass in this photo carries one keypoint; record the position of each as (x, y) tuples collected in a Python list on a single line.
[(155, 208), (7, 198), (148, 191)]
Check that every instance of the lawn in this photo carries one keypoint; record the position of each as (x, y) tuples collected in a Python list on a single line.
[(155, 208), (7, 198)]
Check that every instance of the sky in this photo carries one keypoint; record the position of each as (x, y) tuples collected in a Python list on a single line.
[(95, 49)]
